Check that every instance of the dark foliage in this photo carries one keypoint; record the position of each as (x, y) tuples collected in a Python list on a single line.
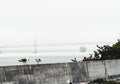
[(103, 81), (106, 52)]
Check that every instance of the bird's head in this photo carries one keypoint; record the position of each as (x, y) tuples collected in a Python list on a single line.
[(27, 59)]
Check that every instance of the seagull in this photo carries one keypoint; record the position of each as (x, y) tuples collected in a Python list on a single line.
[(74, 60), (38, 60), (24, 60)]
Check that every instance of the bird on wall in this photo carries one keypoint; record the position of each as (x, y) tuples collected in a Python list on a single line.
[(24, 60), (38, 60), (74, 60)]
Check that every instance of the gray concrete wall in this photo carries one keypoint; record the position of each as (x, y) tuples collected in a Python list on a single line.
[(104, 69), (59, 73), (96, 69), (44, 74)]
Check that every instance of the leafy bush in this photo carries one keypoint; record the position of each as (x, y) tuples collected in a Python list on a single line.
[(106, 52)]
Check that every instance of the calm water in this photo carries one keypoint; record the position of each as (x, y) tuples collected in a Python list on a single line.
[(10, 56), (5, 61)]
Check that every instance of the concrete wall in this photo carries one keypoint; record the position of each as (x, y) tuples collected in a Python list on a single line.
[(59, 73), (104, 69), (44, 74)]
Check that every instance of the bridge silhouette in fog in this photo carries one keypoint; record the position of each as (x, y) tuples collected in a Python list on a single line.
[(58, 47)]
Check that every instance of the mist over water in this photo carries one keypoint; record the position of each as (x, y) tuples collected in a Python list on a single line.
[(48, 54), (51, 21)]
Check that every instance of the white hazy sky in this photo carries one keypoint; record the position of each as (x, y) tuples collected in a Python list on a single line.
[(59, 21)]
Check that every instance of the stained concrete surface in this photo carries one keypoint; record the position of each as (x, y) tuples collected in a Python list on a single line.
[(59, 73)]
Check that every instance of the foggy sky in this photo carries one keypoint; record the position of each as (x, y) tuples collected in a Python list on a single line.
[(59, 21)]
